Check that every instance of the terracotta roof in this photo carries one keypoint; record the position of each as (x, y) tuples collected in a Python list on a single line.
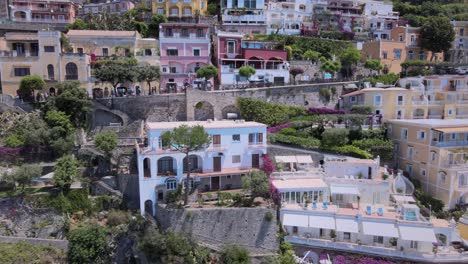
[(102, 33), (352, 93)]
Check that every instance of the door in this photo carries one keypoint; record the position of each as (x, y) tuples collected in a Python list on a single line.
[(216, 163), (256, 161), (369, 173), (215, 183)]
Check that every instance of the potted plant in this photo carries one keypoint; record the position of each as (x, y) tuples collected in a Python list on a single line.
[(306, 203), (333, 235)]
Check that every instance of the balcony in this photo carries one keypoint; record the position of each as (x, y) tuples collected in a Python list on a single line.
[(454, 143), (244, 19)]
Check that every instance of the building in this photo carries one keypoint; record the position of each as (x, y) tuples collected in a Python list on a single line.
[(236, 148), (178, 9), (459, 49), (361, 216), (435, 152), (435, 97), (234, 51), (285, 17), (43, 11), (185, 48), (402, 45), (23, 54), (117, 7), (352, 167), (243, 16)]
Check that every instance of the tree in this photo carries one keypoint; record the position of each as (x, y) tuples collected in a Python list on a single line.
[(348, 58), (246, 71), (311, 55), (331, 67), (186, 140), (115, 72), (30, 83), (106, 142), (73, 101), (373, 65), (212, 9), (153, 26), (207, 73), (78, 24), (60, 122), (233, 254), (87, 244), (437, 35), (24, 174), (257, 183), (65, 171), (296, 71), (148, 74), (335, 137)]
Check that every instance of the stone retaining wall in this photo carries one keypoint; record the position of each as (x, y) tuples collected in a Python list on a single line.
[(62, 244)]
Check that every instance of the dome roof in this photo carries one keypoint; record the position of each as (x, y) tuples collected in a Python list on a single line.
[(402, 185)]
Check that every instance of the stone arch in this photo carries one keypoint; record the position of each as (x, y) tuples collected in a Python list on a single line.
[(441, 239), (149, 207), (167, 166), (71, 71), (203, 111), (20, 14), (104, 118), (230, 109), (147, 167), (196, 163)]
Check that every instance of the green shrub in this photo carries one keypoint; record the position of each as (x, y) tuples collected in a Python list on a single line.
[(233, 254), (307, 143), (377, 147), (390, 78), (351, 151), (115, 218), (270, 114), (361, 109), (87, 244), (14, 141), (269, 216), (288, 131), (325, 94), (335, 137), (72, 202)]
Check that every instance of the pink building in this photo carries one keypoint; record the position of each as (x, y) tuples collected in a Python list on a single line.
[(267, 58), (184, 48), (114, 7), (43, 11)]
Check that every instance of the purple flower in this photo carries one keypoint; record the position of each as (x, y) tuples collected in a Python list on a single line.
[(325, 111), (276, 129)]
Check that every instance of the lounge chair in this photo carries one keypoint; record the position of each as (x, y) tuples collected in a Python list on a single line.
[(314, 205), (324, 205), (380, 211), (369, 210)]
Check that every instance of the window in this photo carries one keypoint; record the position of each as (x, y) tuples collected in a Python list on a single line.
[(397, 54), (442, 177), (173, 69), (410, 55), (19, 48), (105, 52), (352, 99), (71, 71), (453, 136), (414, 244), (172, 52), (450, 112), (236, 137), (250, 4), (400, 99), (216, 140), (184, 33), (294, 230), (384, 55), (22, 71), (400, 37), (462, 32), (49, 49), (462, 180), (322, 232), (187, 11), (231, 47), (404, 133), (50, 72), (202, 5), (347, 236), (255, 138), (421, 135), (161, 11), (433, 156), (165, 165), (171, 184), (377, 100), (423, 172), (168, 32), (378, 239), (236, 159), (196, 52), (199, 33), (409, 169), (409, 152), (421, 55), (412, 39)]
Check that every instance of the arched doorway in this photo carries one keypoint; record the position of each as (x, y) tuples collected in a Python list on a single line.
[(147, 168), (52, 91), (204, 111), (149, 207)]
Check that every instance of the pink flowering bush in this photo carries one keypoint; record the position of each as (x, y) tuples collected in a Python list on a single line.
[(276, 129), (268, 166), (325, 111)]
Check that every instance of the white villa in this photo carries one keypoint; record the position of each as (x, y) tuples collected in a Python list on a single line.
[(370, 216), (285, 17), (236, 148)]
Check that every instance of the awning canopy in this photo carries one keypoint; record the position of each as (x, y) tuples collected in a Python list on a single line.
[(344, 189), (417, 233), (347, 225), (304, 159), (380, 229), (403, 198), (296, 220), (285, 159), (327, 222)]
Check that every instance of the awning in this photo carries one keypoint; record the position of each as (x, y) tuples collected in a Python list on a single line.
[(285, 159), (344, 189), (295, 220), (403, 198), (327, 222), (304, 159), (380, 229), (347, 225), (452, 129), (417, 233)]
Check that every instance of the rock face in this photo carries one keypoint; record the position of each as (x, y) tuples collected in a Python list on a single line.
[(246, 227)]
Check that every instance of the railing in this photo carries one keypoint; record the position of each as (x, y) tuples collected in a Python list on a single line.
[(71, 77), (167, 173), (42, 20), (455, 143)]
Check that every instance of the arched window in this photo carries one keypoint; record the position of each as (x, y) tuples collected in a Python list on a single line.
[(171, 184), (50, 72), (147, 52), (410, 55), (71, 71), (421, 55)]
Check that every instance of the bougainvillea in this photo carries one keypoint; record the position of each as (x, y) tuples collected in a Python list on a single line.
[(325, 111), (276, 129), (268, 166)]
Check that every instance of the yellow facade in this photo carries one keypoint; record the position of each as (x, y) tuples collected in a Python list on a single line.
[(179, 8), (23, 54), (436, 153)]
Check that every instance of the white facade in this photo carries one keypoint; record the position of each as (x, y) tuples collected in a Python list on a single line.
[(246, 13), (287, 17), (354, 168), (236, 148), (229, 76)]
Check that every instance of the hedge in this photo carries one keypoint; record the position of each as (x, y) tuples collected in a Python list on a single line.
[(380, 147), (307, 143), (270, 114), (361, 109), (352, 151)]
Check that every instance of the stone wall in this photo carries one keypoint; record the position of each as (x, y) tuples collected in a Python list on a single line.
[(246, 227), (62, 244), (128, 185)]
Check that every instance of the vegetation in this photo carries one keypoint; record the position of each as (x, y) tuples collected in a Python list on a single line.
[(311, 55), (361, 109), (296, 71), (437, 35), (303, 142), (417, 12), (148, 74), (106, 142), (257, 183), (233, 254), (246, 71), (29, 84), (334, 137), (331, 67), (377, 147), (373, 65), (207, 73), (87, 244), (24, 174), (349, 57), (267, 113), (22, 252), (65, 172), (390, 78), (186, 139), (351, 151), (115, 71), (71, 202)]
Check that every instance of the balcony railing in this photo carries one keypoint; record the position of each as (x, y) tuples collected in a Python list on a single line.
[(71, 77), (167, 173), (454, 143)]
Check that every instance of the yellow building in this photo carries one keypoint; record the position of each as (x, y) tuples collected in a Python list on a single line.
[(436, 97), (178, 8), (435, 151), (459, 49), (40, 53), (403, 45)]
